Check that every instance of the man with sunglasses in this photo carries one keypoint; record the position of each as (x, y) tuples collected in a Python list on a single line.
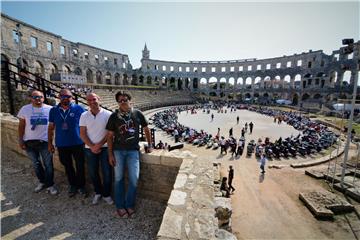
[(64, 120), (123, 147), (33, 137)]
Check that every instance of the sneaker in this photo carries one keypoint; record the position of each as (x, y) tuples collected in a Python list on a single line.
[(39, 187), (82, 192), (52, 190), (72, 191), (96, 199), (108, 200)]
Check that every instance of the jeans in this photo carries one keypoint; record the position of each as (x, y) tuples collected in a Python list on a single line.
[(66, 155), (44, 170), (93, 161), (126, 159)]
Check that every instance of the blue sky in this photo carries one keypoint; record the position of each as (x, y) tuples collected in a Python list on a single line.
[(183, 31)]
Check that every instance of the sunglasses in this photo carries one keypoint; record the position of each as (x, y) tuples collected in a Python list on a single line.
[(123, 100), (36, 97), (65, 96)]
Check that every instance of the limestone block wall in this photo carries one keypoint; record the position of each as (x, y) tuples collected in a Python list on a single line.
[(157, 172)]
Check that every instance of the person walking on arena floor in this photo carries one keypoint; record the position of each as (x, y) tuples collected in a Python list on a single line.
[(123, 147), (64, 121), (230, 179), (237, 120), (93, 133), (251, 126), (262, 163), (33, 137)]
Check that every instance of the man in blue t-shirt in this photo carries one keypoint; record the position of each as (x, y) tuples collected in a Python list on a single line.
[(64, 119)]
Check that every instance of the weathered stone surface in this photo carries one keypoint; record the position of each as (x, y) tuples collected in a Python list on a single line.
[(323, 204), (222, 234), (177, 198), (180, 180), (171, 225), (314, 174), (223, 211)]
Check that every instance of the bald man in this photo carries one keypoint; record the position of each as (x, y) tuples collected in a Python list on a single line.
[(33, 137), (64, 120), (93, 134)]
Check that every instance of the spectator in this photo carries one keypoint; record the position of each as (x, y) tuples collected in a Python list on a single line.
[(93, 133), (64, 120), (123, 147), (33, 137)]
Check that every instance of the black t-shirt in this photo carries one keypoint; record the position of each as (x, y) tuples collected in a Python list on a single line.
[(126, 129)]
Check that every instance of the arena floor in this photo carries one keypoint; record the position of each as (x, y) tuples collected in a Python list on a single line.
[(266, 206)]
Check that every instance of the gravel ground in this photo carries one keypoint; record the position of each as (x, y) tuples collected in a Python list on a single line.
[(29, 215)]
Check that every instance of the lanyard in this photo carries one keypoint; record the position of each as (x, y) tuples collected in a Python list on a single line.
[(62, 116)]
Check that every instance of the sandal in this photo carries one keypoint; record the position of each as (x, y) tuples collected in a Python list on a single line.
[(131, 212), (122, 213)]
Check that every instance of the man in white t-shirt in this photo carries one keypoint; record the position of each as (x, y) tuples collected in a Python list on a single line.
[(33, 137), (93, 133)]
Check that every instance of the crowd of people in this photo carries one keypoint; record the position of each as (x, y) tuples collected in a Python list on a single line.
[(96, 137)]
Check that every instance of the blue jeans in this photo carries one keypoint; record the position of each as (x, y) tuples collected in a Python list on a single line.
[(44, 169), (126, 159), (93, 161)]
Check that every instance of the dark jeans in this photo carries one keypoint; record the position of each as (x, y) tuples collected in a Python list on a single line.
[(231, 188), (66, 155), (44, 169), (93, 162)]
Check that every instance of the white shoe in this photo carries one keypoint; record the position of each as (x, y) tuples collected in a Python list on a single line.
[(96, 199), (39, 187), (108, 200), (52, 190)]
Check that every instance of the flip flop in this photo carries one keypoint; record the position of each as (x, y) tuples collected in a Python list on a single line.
[(131, 212), (122, 213)]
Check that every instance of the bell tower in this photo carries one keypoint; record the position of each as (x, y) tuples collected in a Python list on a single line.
[(145, 53)]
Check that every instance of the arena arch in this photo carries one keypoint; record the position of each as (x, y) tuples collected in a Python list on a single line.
[(149, 80), (141, 80), (53, 68), (305, 96), (108, 78), (257, 82), (240, 83), (346, 78), (66, 69), (99, 77), (89, 76), (287, 81), (317, 96), (126, 79), (213, 83), (78, 71), (179, 84), (248, 82), (223, 84), (117, 79), (39, 69)]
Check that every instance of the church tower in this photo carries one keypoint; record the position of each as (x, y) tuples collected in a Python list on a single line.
[(145, 53)]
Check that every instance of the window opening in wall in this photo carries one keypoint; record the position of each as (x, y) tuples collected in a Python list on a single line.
[(213, 69), (299, 63), (62, 50), (288, 64), (49, 46), (258, 67), (156, 67), (164, 68), (241, 68), (187, 69), (195, 69), (15, 36), (337, 57), (124, 65), (171, 68), (203, 69), (115, 61), (249, 68), (75, 52), (180, 69), (268, 66), (33, 41), (350, 56), (309, 64), (232, 69), (322, 63), (223, 69), (278, 65), (96, 58), (86, 55), (106, 60)]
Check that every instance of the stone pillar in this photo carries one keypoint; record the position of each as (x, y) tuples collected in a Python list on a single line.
[(339, 79)]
